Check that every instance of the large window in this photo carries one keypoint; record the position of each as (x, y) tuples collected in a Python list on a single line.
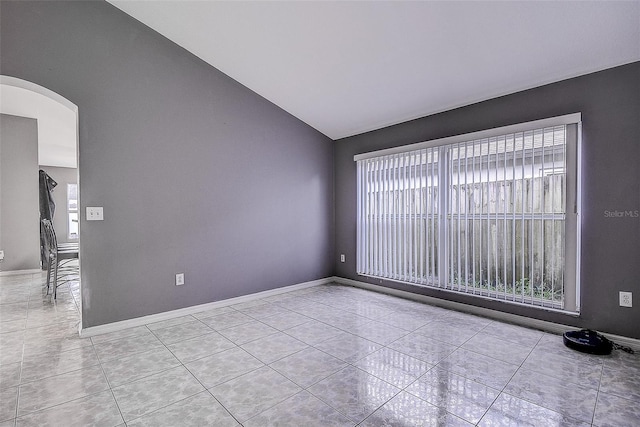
[(492, 213)]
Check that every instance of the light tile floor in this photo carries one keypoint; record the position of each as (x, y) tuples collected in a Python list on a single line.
[(324, 356)]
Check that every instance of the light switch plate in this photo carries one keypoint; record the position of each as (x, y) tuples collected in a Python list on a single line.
[(95, 213)]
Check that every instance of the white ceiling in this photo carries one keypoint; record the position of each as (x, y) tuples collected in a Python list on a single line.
[(350, 67), (56, 124)]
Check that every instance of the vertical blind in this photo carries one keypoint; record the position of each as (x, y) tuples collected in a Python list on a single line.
[(398, 216), (484, 216)]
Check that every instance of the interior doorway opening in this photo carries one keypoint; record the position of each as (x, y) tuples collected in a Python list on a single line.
[(55, 120)]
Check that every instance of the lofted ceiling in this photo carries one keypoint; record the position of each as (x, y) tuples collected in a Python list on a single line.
[(350, 67)]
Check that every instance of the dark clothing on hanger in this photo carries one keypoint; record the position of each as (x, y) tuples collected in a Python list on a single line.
[(47, 210), (47, 205)]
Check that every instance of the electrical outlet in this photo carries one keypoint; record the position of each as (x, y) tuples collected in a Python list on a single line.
[(1, 255), (179, 279), (342, 258), (95, 213), (626, 299)]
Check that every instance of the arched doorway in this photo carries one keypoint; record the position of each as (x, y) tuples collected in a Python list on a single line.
[(56, 120)]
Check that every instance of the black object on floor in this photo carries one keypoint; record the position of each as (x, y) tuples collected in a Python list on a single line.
[(588, 341)]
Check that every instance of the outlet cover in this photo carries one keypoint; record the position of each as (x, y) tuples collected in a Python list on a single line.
[(95, 213), (179, 279), (626, 299), (342, 258), (1, 255)]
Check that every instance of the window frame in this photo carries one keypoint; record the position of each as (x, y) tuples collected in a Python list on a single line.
[(71, 210), (573, 123)]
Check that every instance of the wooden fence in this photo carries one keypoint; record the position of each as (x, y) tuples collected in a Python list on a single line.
[(504, 236)]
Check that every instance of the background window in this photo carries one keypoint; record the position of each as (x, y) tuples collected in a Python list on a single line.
[(72, 211)]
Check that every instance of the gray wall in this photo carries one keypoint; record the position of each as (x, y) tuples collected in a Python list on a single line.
[(62, 176), (196, 173), (610, 106), (19, 205)]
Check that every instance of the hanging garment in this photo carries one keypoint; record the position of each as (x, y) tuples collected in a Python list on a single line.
[(47, 210), (47, 205)]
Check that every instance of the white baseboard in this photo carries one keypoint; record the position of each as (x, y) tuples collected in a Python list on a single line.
[(555, 328), (19, 272), (152, 318)]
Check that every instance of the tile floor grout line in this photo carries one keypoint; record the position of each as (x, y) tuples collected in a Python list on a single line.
[(19, 387), (352, 364), (595, 407), (47, 408), (306, 389), (537, 403), (206, 390), (499, 392), (502, 391), (328, 403), (180, 364), (113, 396), (190, 373)]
